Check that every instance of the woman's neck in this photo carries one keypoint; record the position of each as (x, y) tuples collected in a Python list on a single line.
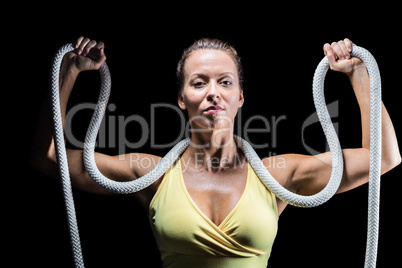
[(213, 151)]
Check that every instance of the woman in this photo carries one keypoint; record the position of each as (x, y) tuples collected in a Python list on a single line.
[(210, 209)]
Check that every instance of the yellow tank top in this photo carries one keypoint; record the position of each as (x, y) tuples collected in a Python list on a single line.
[(188, 238)]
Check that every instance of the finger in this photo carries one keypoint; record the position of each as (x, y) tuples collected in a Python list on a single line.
[(337, 51), (325, 48), (330, 54), (82, 45), (344, 49), (349, 44), (97, 53), (101, 47), (88, 47), (101, 58), (78, 42)]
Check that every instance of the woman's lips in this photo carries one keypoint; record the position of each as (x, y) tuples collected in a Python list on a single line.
[(213, 109)]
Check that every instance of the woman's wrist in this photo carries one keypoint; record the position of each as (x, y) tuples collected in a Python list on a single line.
[(68, 76), (358, 70), (68, 68), (360, 82)]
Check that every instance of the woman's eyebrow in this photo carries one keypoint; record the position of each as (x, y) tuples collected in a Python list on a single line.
[(198, 75), (202, 75), (226, 73)]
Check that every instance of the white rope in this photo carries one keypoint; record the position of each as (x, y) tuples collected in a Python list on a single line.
[(289, 197), (61, 154)]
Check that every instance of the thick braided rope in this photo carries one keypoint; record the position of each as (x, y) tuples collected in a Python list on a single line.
[(375, 155), (62, 155), (256, 163)]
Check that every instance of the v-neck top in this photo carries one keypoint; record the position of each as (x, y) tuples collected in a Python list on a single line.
[(186, 237)]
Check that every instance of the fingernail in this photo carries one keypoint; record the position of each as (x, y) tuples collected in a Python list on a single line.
[(79, 52)]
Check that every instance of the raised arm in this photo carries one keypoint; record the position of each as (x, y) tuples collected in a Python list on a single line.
[(88, 55), (308, 175)]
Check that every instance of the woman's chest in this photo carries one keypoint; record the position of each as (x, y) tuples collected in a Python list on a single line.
[(217, 194), (219, 219)]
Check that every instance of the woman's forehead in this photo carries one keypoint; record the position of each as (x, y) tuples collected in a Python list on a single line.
[(209, 61)]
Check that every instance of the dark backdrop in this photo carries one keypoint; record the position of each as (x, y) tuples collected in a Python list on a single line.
[(279, 50)]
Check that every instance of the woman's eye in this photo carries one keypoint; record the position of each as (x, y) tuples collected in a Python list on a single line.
[(198, 84), (227, 83)]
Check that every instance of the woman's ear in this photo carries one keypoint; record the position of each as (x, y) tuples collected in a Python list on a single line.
[(241, 99), (180, 101)]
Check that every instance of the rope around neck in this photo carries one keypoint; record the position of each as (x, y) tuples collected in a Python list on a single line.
[(262, 172)]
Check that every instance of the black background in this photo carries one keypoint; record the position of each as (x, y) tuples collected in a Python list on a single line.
[(280, 49)]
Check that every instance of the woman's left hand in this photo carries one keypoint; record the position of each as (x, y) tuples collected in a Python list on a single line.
[(340, 60)]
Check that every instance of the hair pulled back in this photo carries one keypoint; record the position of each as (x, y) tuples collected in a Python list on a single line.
[(208, 43)]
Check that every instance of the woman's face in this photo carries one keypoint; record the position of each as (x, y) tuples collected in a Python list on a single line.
[(211, 92)]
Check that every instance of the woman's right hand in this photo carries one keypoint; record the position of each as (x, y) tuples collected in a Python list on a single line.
[(88, 55)]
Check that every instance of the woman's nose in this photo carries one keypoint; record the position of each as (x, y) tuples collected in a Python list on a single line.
[(213, 92)]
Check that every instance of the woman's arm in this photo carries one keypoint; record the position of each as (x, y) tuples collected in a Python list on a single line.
[(308, 175), (89, 55)]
